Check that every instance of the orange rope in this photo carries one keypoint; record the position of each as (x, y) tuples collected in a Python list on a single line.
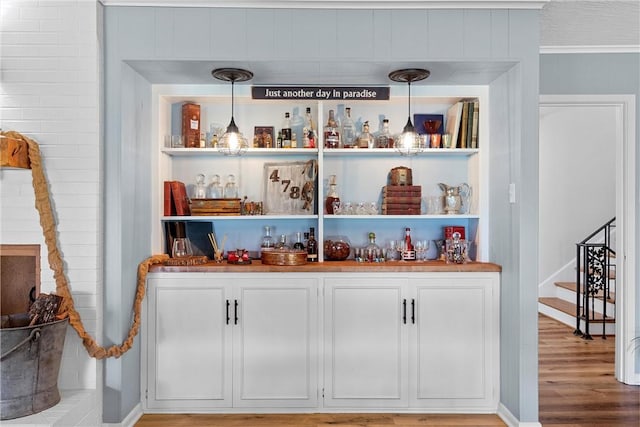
[(48, 224)]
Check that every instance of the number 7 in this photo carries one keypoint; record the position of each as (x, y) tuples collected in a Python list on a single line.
[(286, 183)]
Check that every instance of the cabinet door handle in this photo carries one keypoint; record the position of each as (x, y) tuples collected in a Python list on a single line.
[(228, 318), (413, 310), (404, 311), (235, 311)]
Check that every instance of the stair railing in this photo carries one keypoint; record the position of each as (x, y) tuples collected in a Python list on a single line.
[(593, 277)]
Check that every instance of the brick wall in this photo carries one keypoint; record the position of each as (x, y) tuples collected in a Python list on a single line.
[(49, 91)]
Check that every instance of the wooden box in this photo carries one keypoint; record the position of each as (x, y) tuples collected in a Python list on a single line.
[(401, 200), (191, 124), (215, 207)]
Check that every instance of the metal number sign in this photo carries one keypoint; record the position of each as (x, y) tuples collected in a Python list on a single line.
[(289, 188)]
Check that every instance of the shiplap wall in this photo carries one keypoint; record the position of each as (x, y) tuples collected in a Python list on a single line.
[(49, 91)]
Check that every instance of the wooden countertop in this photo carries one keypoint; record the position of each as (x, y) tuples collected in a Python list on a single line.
[(348, 266)]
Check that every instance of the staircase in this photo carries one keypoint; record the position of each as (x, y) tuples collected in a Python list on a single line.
[(588, 302)]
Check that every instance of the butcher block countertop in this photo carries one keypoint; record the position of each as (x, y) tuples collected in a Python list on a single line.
[(348, 266)]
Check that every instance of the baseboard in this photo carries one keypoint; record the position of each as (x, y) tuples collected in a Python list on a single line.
[(130, 420), (511, 420)]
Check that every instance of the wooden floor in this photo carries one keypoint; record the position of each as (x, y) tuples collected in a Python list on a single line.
[(577, 388)]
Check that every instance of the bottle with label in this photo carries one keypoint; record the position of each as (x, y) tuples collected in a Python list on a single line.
[(332, 196), (279, 140), (365, 140), (309, 128), (408, 251), (298, 245), (312, 246), (372, 252), (286, 131), (348, 135), (384, 138), (331, 132), (267, 244), (294, 140)]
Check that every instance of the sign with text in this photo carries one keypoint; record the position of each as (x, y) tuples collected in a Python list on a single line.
[(345, 93)]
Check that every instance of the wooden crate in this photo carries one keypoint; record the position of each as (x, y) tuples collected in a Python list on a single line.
[(215, 207)]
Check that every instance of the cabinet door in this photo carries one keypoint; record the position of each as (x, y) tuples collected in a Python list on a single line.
[(189, 360), (365, 343), (453, 343), (275, 342)]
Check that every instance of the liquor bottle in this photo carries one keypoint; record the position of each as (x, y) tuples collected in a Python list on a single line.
[(286, 131), (348, 134), (282, 243), (365, 140), (267, 244), (384, 138), (310, 130), (332, 196), (331, 132), (298, 245), (279, 140), (312, 246), (372, 252), (408, 251)]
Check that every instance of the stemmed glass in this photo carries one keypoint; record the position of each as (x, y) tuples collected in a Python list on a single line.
[(422, 246)]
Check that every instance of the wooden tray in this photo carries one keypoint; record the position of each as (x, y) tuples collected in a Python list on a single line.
[(277, 257)]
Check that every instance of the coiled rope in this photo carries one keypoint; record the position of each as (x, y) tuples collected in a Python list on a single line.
[(48, 224)]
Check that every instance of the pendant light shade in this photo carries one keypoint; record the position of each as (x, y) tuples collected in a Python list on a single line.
[(408, 142), (232, 143)]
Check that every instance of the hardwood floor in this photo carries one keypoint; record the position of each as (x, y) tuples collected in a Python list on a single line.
[(577, 386), (576, 380)]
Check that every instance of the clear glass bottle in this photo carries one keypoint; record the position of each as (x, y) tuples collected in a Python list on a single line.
[(282, 243), (372, 251), (298, 245), (332, 196), (309, 132), (331, 132), (267, 244), (230, 188), (384, 139), (215, 188), (200, 191), (286, 131), (312, 246), (365, 140), (348, 134)]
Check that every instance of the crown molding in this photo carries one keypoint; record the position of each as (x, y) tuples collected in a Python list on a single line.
[(590, 49), (338, 4)]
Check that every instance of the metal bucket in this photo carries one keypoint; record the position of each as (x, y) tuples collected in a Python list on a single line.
[(29, 365)]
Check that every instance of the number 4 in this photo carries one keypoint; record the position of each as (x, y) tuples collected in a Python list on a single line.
[(274, 176)]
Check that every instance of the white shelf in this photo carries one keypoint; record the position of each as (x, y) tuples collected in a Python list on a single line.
[(236, 217), (391, 151), (188, 152), (403, 217)]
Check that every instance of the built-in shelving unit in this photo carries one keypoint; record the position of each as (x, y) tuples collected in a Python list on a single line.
[(361, 173)]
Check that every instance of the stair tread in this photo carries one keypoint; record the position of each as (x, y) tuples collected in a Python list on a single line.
[(569, 307), (572, 287)]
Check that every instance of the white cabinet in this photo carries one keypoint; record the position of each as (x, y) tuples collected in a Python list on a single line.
[(427, 341), (454, 341), (226, 341), (366, 358), (188, 344)]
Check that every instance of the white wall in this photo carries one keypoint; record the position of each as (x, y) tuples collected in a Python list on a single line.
[(577, 179), (49, 91)]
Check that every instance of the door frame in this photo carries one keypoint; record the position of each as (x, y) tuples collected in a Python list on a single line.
[(626, 179)]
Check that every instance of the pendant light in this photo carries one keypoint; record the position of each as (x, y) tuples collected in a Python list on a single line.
[(232, 143), (408, 143)]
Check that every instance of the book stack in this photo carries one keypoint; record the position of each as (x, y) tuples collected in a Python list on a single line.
[(401, 199), (176, 201), (462, 123)]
